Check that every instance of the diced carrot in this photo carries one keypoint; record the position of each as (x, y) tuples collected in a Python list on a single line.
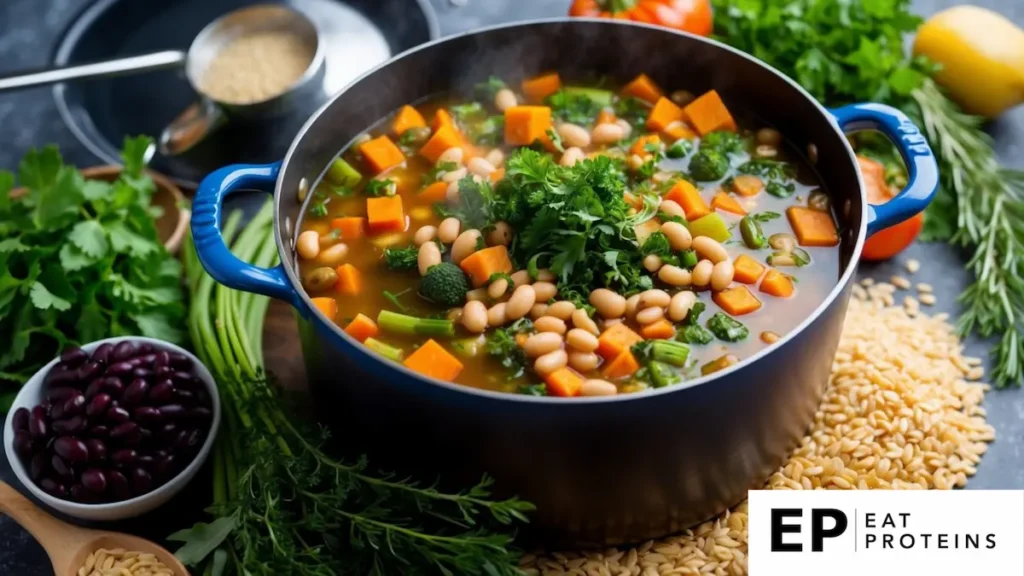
[(407, 117), (526, 124), (708, 113), (605, 117), (443, 138), (812, 227), (350, 281), (736, 301), (644, 231), (361, 327), (777, 284), (873, 174), (623, 366), (679, 131), (662, 329), (441, 118), (615, 340), (481, 264), (664, 113), (640, 146), (436, 192), (381, 153), (329, 306), (747, 185), (540, 87), (723, 201), (746, 269), (686, 195), (385, 214), (497, 174), (350, 227), (431, 359), (564, 382), (643, 88)]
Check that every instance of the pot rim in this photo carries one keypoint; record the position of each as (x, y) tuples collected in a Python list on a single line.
[(363, 353)]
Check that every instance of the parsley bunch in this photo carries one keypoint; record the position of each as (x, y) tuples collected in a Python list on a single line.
[(80, 260)]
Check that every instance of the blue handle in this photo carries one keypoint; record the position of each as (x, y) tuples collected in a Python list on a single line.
[(213, 253), (923, 170)]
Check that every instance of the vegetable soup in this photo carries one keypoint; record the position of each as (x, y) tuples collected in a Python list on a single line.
[(553, 239)]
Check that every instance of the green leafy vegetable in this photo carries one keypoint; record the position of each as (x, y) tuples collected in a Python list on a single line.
[(394, 298), (401, 259), (573, 107), (501, 343), (724, 142), (486, 91), (380, 187), (679, 148), (768, 169), (708, 164), (727, 328), (475, 207), (632, 110)]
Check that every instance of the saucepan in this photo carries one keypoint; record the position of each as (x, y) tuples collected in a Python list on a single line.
[(600, 470)]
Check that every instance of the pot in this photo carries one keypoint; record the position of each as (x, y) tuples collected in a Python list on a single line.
[(600, 470)]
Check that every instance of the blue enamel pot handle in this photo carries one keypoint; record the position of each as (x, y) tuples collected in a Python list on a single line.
[(213, 252), (923, 172)]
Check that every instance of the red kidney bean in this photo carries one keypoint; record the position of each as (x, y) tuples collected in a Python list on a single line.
[(72, 425), (117, 484), (100, 431), (163, 371), (75, 405), (23, 443), (97, 450), (185, 396), (163, 392), (167, 432), (71, 449), (179, 440), (146, 348), (94, 480), (161, 358), (73, 357), (37, 423), (164, 466), (98, 405), (101, 354), (94, 388), (118, 369), (180, 361), (127, 433), (135, 392), (144, 361), (140, 372), (60, 376), (56, 411), (117, 414), (20, 419), (89, 370), (145, 460), (147, 415), (122, 351), (146, 433), (113, 386), (58, 395), (184, 378), (172, 410), (61, 468), (142, 482), (200, 413), (39, 465), (124, 456), (52, 487)]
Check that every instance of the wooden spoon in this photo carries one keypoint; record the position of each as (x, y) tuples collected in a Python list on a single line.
[(68, 546)]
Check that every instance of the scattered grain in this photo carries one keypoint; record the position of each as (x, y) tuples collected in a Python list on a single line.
[(121, 562), (912, 265), (900, 282), (928, 299)]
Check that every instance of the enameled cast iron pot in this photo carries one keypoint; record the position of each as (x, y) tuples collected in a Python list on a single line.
[(600, 470)]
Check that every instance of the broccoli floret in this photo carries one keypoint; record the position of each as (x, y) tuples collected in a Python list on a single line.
[(708, 165), (724, 142), (400, 259), (445, 284)]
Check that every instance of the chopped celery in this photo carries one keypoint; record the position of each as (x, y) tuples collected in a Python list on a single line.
[(670, 352), (342, 173), (712, 226), (384, 350), (402, 324), (596, 95), (662, 374), (688, 259)]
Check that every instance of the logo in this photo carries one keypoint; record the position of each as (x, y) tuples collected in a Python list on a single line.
[(818, 530)]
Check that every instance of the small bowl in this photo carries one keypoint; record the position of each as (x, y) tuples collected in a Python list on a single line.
[(31, 395)]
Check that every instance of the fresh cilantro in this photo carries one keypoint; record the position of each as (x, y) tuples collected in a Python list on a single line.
[(573, 107), (769, 169), (319, 209), (487, 90), (679, 148), (780, 190), (401, 259), (556, 140), (532, 390), (501, 344), (434, 173), (474, 209), (727, 328), (767, 216), (632, 110), (487, 132), (694, 335), (469, 112), (376, 187), (723, 142)]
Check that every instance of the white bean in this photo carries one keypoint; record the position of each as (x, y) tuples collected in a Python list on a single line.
[(452, 194), (549, 324), (598, 387), (562, 310), (631, 305), (581, 340), (308, 245), (500, 235), (652, 262), (538, 311), (672, 208), (721, 275), (627, 128), (635, 161), (769, 136), (496, 157), (654, 298), (497, 288), (454, 175), (607, 134), (521, 277), (520, 303), (680, 305), (474, 316), (480, 167), (496, 315), (583, 361), (465, 245), (649, 315), (452, 155), (609, 322), (424, 234), (334, 255), (545, 291), (550, 362), (571, 156), (541, 343), (710, 248), (505, 99), (428, 256), (701, 275), (674, 275), (478, 294), (607, 303), (545, 275), (581, 320), (574, 135), (678, 235), (448, 230)]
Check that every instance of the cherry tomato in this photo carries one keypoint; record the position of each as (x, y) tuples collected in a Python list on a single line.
[(693, 16)]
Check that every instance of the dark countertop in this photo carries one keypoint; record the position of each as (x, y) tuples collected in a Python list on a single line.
[(28, 31)]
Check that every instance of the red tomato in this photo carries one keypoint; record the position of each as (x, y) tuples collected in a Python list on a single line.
[(693, 16), (889, 242)]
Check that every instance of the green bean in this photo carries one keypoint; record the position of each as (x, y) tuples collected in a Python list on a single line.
[(753, 237)]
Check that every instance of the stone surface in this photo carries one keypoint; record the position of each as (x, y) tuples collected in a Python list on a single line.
[(28, 33)]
